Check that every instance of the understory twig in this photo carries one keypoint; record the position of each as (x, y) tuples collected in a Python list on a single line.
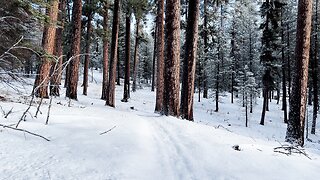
[(105, 132), (289, 149), (23, 130)]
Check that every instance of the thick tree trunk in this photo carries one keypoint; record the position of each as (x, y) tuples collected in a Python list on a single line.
[(110, 101), (75, 50), (315, 74), (48, 43), (189, 64), (56, 76), (172, 61), (296, 122), (105, 61), (136, 58), (160, 57), (87, 55), (126, 88)]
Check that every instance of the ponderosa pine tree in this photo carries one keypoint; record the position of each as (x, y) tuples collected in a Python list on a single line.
[(126, 87), (296, 121), (189, 64), (160, 57), (139, 10), (73, 76), (314, 67), (172, 59), (48, 43), (89, 12), (110, 100), (57, 65), (105, 61)]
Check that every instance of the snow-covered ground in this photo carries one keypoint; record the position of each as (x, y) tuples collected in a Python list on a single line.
[(145, 145)]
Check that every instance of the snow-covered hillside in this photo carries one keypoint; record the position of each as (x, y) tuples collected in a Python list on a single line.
[(140, 144)]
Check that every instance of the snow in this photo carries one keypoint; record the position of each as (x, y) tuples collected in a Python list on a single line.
[(146, 145)]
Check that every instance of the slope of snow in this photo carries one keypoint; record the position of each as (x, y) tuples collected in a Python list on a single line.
[(145, 145)]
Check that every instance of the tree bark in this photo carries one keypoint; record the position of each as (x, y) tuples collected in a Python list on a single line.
[(154, 58), (56, 76), (160, 57), (110, 101), (315, 74), (105, 51), (136, 58), (296, 122), (126, 88), (204, 78), (189, 64), (172, 61), (75, 50), (284, 79), (48, 43), (88, 43)]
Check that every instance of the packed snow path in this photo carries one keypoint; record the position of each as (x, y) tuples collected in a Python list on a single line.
[(144, 145)]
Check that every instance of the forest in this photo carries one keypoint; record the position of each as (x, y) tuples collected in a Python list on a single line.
[(159, 89)]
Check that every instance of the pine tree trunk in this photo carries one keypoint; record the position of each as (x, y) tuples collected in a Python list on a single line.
[(118, 70), (296, 122), (199, 80), (288, 61), (136, 58), (189, 64), (56, 76), (154, 58), (75, 50), (172, 60), (265, 102), (87, 55), (105, 61), (315, 74), (217, 88), (48, 43), (126, 88), (110, 101), (160, 57), (284, 79), (205, 23)]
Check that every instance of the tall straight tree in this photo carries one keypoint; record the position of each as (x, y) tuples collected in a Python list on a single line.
[(135, 56), (48, 43), (172, 59), (296, 122), (89, 13), (105, 60), (154, 57), (205, 36), (56, 77), (189, 64), (110, 100), (314, 71), (139, 9), (160, 57), (126, 88), (73, 76)]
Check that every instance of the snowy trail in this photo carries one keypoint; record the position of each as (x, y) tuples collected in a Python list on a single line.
[(145, 145)]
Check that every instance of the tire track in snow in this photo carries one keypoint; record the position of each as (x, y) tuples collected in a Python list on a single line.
[(171, 147)]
